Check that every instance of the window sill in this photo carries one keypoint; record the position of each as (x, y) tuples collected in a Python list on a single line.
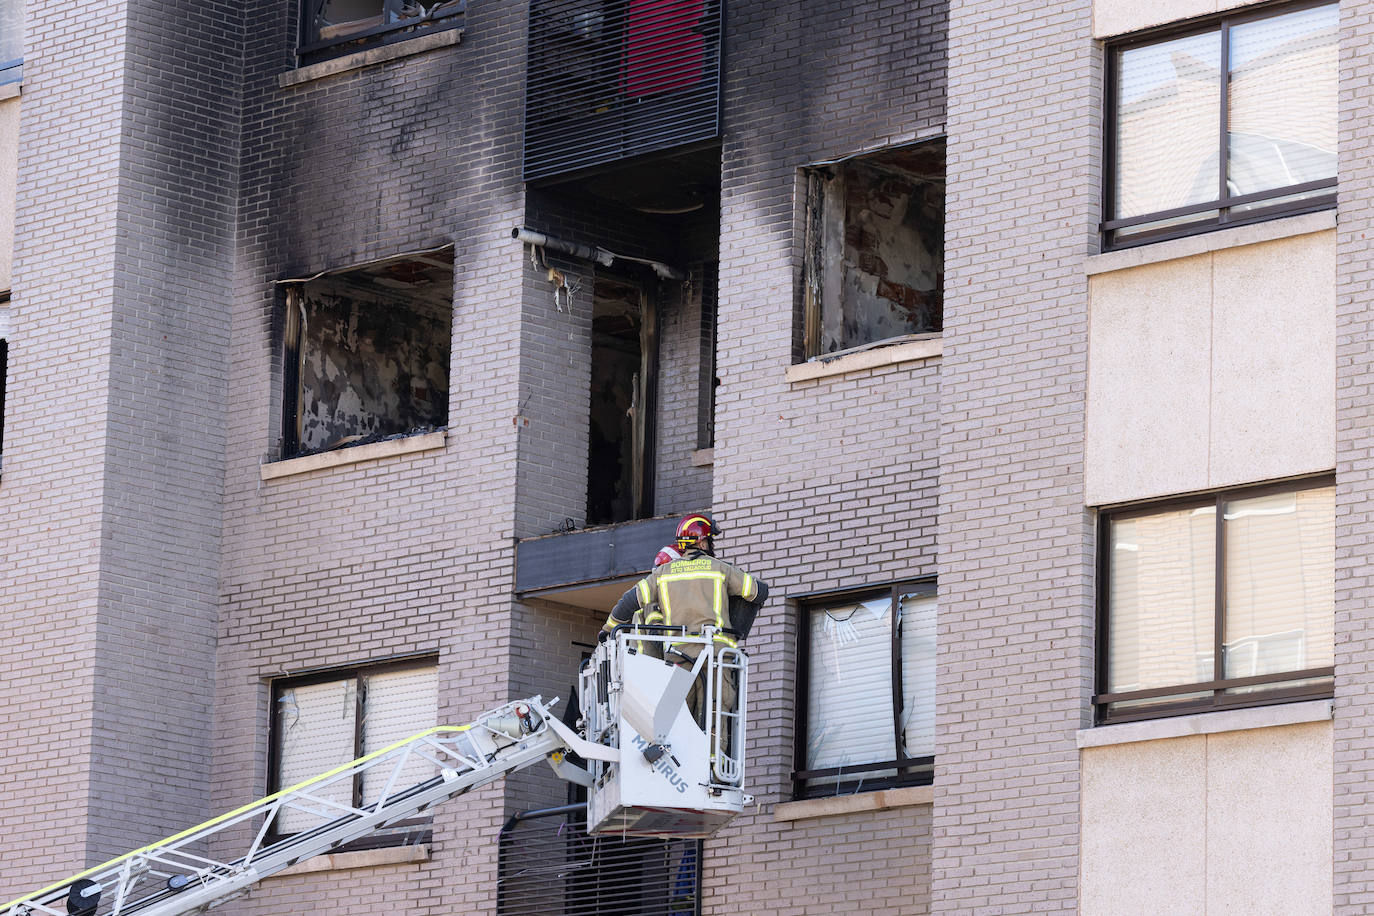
[(11, 91), (703, 457), (1206, 723), (1174, 249), (374, 450), (880, 800), (377, 55), (366, 858), (876, 358)]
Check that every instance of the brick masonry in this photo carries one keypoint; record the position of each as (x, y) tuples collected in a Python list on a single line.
[(126, 207), (1354, 742), (821, 484), (1016, 566)]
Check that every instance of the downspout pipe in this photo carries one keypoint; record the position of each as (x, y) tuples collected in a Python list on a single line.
[(588, 253)]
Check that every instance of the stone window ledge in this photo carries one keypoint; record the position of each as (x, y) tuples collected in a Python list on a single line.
[(1206, 723), (881, 800), (1173, 249), (339, 457), (377, 55), (11, 91), (364, 858), (703, 457), (927, 348)]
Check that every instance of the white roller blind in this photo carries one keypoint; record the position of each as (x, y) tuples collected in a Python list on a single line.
[(1280, 582), (849, 700), (1162, 599), (396, 705), (918, 674), (316, 727)]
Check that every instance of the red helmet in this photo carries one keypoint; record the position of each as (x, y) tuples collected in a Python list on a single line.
[(694, 531), (667, 555)]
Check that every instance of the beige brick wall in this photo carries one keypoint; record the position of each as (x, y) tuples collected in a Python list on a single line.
[(1016, 558)]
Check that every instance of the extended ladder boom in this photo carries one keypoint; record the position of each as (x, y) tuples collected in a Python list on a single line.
[(173, 876)]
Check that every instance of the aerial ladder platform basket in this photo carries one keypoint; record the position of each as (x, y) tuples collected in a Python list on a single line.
[(651, 770)]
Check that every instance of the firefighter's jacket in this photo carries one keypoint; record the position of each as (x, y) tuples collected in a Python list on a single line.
[(693, 592)]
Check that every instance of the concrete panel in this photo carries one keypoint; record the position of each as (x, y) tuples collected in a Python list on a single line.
[(1120, 17), (1269, 821), (1144, 814), (9, 168), (1274, 360), (1149, 381)]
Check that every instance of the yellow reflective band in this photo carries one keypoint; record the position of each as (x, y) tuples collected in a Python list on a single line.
[(707, 573), (645, 597), (750, 590)]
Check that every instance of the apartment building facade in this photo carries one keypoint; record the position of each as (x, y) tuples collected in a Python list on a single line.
[(359, 354)]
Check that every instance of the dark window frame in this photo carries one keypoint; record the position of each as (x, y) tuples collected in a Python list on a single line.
[(911, 771), (4, 369), (357, 673), (1110, 228), (310, 48), (1219, 699)]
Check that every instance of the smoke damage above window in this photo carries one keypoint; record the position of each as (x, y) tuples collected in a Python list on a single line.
[(367, 353), (874, 261)]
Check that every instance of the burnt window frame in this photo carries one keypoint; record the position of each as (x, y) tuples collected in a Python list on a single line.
[(911, 771), (1109, 228), (310, 48), (4, 366), (1319, 680), (811, 306), (291, 290), (409, 831)]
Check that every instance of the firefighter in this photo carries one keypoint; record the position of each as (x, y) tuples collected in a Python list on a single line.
[(692, 592), (650, 614)]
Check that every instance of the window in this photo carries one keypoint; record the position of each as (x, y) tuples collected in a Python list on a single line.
[(367, 353), (333, 27), (322, 721), (866, 710), (874, 265), (1230, 123), (11, 41), (1244, 576)]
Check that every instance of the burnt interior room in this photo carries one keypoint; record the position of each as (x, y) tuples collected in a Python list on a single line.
[(663, 208), (367, 352), (875, 248)]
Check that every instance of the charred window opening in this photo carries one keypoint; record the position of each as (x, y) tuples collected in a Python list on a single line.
[(333, 27), (875, 264), (708, 381), (4, 365), (367, 353), (623, 362)]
